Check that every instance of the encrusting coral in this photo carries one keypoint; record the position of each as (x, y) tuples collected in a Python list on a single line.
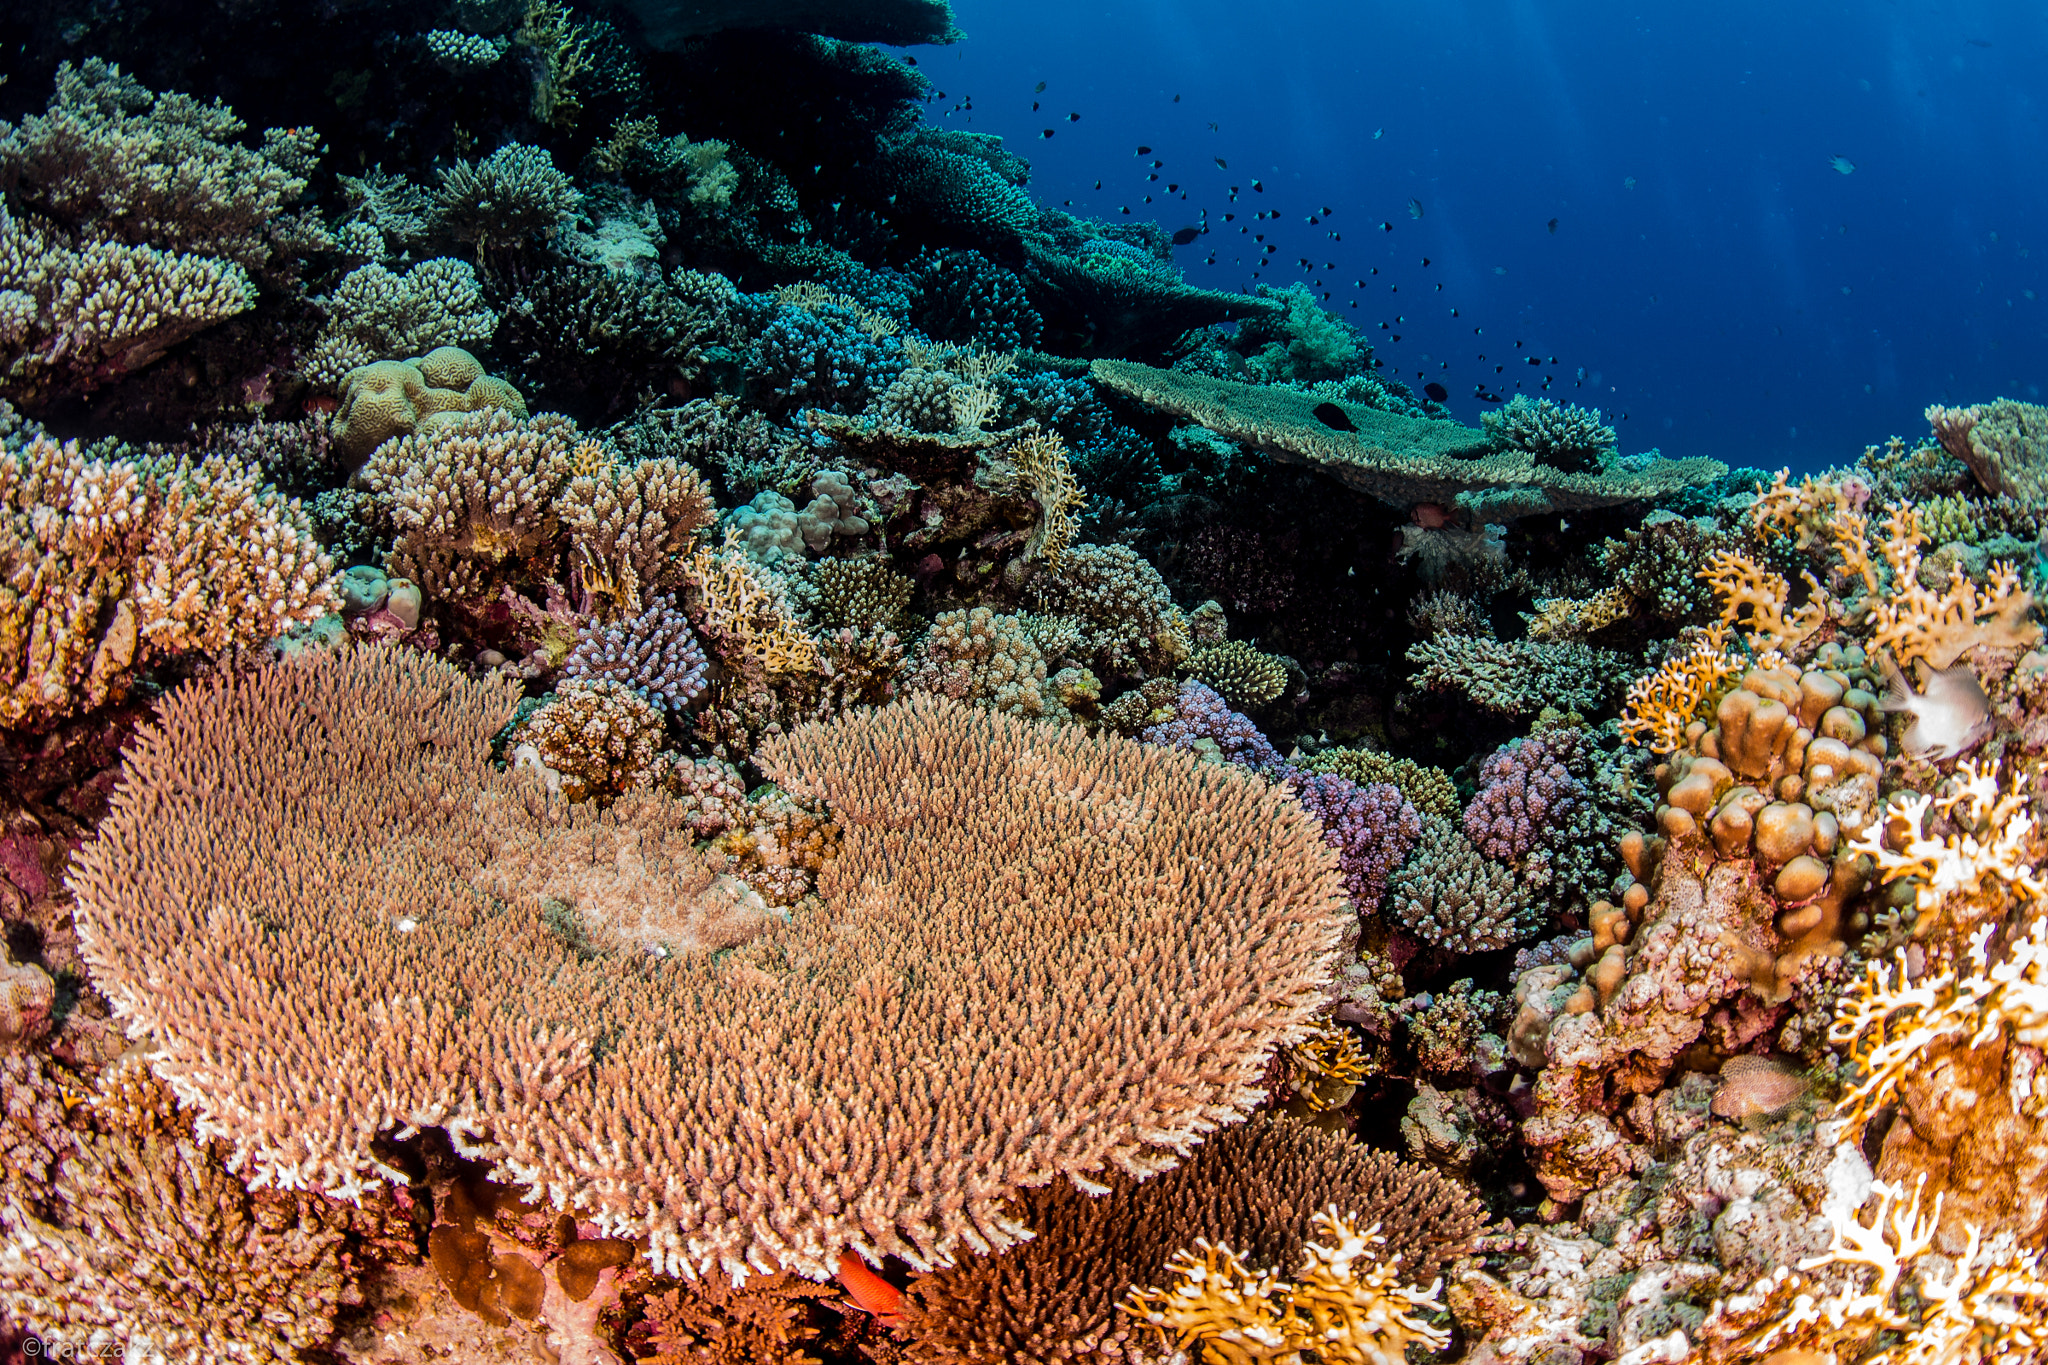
[(974, 848)]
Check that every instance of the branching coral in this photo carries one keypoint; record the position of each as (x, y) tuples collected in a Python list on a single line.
[(1073, 894), (1895, 1299), (1661, 705), (1519, 677), (1560, 435), (1915, 623), (106, 563), (1739, 582), (1345, 1302), (745, 617), (1255, 1186), (1244, 676)]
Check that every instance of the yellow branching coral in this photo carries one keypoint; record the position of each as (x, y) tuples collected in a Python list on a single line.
[(1986, 1305), (1327, 1066), (1345, 1304), (1569, 618), (1740, 581), (744, 617), (1916, 623), (1660, 705), (1041, 460)]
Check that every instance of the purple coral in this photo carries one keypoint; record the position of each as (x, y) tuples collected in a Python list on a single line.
[(1525, 790), (653, 653), (1200, 713), (1371, 827)]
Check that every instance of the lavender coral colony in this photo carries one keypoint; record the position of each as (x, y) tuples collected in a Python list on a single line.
[(669, 723)]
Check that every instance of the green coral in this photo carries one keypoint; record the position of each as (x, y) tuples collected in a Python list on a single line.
[(1244, 676), (1404, 461), (1521, 677)]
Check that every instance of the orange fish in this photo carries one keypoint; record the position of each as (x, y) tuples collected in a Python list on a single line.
[(870, 1290)]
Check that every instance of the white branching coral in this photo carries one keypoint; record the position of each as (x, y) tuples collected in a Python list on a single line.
[(1971, 872), (1985, 1305), (1890, 1022)]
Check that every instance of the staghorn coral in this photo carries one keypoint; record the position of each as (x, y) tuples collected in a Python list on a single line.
[(1401, 460), (1255, 1185), (1560, 435), (989, 659), (1346, 1301), (376, 314), (712, 1322), (82, 312), (1245, 677), (861, 594), (1448, 613), (109, 563), (513, 194), (112, 160), (1519, 677), (629, 525), (1135, 630), (1072, 894)]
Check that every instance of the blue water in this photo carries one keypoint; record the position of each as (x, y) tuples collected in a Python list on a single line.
[(1716, 278)]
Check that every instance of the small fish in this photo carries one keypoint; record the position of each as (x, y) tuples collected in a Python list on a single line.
[(869, 1290), (1976, 42), (1221, 164), (1046, 133), (1437, 392), (1952, 715), (1842, 164), (910, 61), (1628, 182), (1333, 417), (1186, 235), (1553, 227), (1073, 118), (1414, 208), (1038, 89), (1754, 1088), (1376, 133), (1212, 127), (1142, 151)]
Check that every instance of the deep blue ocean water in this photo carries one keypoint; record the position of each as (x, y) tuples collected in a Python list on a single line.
[(1713, 271)]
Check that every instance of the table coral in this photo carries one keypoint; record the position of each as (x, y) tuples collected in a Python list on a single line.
[(492, 1036)]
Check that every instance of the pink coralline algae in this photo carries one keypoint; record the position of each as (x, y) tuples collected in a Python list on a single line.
[(1371, 827), (1524, 789)]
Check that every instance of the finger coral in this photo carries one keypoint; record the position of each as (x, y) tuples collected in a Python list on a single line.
[(1019, 921)]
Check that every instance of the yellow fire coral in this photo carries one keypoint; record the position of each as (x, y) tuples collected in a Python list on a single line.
[(1346, 1304), (730, 604), (1660, 705), (1916, 623), (1740, 581), (1041, 461)]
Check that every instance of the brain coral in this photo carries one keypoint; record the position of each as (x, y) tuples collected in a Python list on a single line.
[(1039, 953)]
